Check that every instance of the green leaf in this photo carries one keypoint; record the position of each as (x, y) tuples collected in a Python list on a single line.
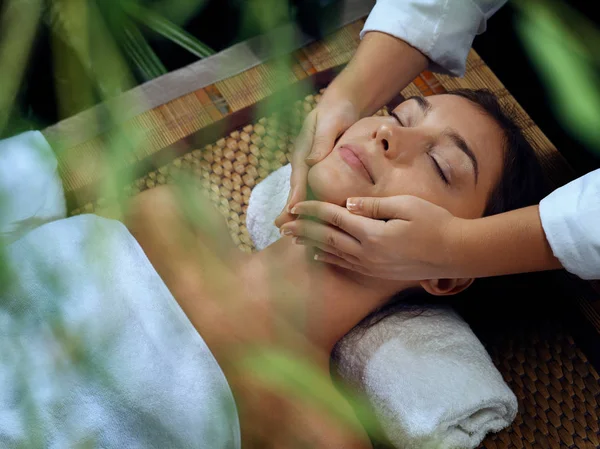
[(142, 55), (18, 25), (180, 11), (169, 30), (566, 67), (300, 379)]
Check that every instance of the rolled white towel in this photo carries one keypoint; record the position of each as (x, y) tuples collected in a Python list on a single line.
[(430, 381)]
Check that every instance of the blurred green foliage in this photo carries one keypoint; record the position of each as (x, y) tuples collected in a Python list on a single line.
[(564, 45), (102, 48)]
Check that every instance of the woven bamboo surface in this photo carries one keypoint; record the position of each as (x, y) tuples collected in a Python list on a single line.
[(558, 389)]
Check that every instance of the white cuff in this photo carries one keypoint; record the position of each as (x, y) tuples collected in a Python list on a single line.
[(571, 220)]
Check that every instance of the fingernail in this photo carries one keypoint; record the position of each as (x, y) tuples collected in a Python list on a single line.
[(294, 210), (352, 204), (286, 232), (298, 240), (318, 257)]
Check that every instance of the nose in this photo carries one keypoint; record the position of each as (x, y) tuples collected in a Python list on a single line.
[(399, 143)]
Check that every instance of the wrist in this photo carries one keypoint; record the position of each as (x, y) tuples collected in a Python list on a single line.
[(456, 257), (382, 66), (341, 92)]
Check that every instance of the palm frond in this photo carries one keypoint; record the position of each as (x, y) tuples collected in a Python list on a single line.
[(140, 53), (168, 29)]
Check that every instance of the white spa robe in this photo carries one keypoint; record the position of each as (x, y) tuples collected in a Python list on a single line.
[(571, 220), (443, 30)]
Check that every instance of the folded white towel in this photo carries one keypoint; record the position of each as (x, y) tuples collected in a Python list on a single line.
[(428, 378), (31, 191), (267, 200)]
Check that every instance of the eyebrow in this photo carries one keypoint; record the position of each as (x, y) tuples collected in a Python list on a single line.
[(456, 138), (462, 145), (423, 103)]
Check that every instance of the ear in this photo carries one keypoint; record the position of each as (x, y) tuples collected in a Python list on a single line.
[(444, 287)]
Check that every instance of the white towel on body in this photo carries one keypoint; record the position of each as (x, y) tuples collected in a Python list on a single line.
[(428, 378), (94, 349), (31, 191)]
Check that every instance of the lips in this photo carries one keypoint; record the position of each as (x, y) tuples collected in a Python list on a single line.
[(356, 158)]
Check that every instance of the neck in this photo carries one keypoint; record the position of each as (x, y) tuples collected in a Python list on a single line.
[(322, 300)]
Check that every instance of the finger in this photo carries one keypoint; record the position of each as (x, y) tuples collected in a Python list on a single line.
[(305, 140), (299, 176), (401, 207), (298, 181), (324, 233), (325, 134), (304, 241), (335, 260), (285, 216), (354, 225)]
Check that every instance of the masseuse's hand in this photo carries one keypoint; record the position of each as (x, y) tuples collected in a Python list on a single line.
[(401, 237), (322, 126), (381, 67)]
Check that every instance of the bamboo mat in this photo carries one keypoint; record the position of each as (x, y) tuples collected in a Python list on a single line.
[(557, 387)]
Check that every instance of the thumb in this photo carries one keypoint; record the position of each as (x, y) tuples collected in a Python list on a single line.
[(402, 207), (326, 133), (297, 194)]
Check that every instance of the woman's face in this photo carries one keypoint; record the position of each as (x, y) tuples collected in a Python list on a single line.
[(444, 149)]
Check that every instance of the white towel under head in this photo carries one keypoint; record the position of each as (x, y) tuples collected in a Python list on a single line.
[(428, 378)]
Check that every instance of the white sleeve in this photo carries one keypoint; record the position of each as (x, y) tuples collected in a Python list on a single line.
[(443, 30), (571, 220)]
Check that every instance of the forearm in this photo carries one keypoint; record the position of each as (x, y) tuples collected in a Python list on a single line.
[(508, 243), (381, 67)]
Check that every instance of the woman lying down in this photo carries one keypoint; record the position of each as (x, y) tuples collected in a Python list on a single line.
[(160, 385)]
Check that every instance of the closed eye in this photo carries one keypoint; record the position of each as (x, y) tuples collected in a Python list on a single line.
[(439, 170), (393, 114)]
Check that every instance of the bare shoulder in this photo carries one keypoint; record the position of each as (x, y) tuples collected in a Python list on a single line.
[(159, 203), (179, 230), (174, 214)]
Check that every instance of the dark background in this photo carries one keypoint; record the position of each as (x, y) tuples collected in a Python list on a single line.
[(502, 51), (222, 23)]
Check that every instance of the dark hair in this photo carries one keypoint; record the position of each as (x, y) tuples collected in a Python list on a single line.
[(521, 184)]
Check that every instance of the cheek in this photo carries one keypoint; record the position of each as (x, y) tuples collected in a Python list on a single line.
[(414, 181), (417, 181), (333, 181), (424, 185), (327, 183)]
